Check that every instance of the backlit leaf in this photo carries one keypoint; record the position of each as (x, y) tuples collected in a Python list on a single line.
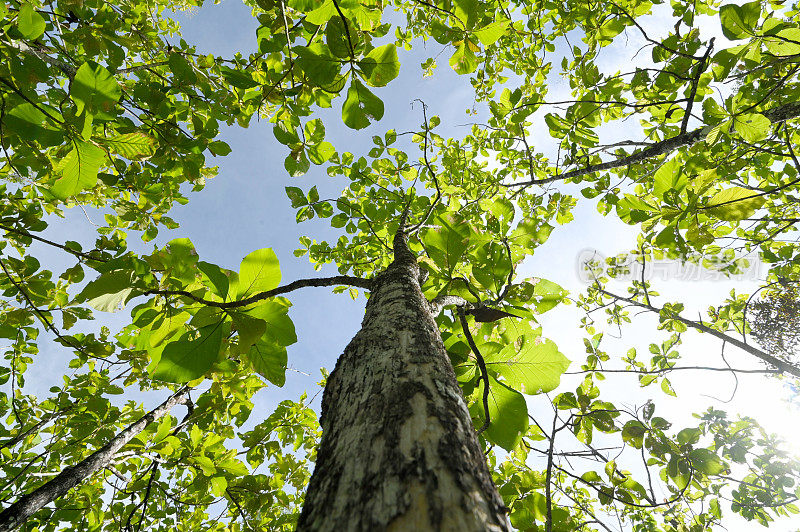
[(191, 356)]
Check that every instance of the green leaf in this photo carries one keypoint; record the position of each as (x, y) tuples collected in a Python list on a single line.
[(447, 242), (468, 11), (94, 89), (109, 291), (31, 123), (77, 171), (734, 204), (314, 131), (286, 134), (319, 65), (669, 176), (233, 467), (319, 153), (296, 196), (280, 328), (296, 163), (464, 61), (218, 486), (250, 330), (166, 326), (530, 364), (191, 356), (214, 277), (633, 433), (322, 14), (269, 360), (337, 38), (548, 295), (30, 24), (753, 127), (219, 148), (441, 33), (361, 106), (508, 414), (238, 78), (489, 34), (738, 22), (206, 464), (258, 272), (132, 145), (381, 65), (707, 461)]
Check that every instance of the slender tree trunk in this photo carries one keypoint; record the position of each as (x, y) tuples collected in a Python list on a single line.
[(398, 450), (15, 515)]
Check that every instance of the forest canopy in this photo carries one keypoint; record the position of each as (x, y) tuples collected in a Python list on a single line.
[(675, 120)]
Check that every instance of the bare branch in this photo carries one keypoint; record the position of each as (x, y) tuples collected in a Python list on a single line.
[(337, 280), (779, 114), (783, 366)]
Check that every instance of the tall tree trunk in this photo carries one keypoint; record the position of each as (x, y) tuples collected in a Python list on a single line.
[(398, 450), (15, 515)]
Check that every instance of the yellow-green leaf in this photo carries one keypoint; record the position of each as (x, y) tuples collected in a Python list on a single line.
[(77, 171), (490, 33), (734, 204)]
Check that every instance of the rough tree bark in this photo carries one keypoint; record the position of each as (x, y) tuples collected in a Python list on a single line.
[(398, 450)]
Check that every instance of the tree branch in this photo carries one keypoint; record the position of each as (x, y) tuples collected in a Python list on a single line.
[(462, 318), (784, 367), (294, 285), (779, 114)]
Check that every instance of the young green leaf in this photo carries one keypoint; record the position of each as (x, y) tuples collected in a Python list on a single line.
[(78, 170), (280, 328), (269, 360), (132, 146), (191, 356), (530, 364), (94, 89), (735, 203), (508, 414), (490, 33), (258, 272), (361, 106), (464, 61), (753, 127), (738, 22), (381, 65), (30, 23), (109, 291)]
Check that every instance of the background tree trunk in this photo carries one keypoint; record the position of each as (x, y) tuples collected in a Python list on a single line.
[(15, 515), (398, 450)]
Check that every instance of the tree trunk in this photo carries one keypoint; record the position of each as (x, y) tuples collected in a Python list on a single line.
[(398, 450), (15, 515)]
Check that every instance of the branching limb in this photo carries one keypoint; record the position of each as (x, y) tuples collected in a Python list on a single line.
[(701, 66), (783, 366), (481, 365), (779, 114), (50, 243), (337, 280)]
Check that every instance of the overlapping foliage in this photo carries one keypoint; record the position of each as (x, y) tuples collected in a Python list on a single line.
[(104, 105)]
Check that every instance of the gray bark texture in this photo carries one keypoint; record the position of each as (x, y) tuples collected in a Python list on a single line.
[(398, 450), (15, 515)]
